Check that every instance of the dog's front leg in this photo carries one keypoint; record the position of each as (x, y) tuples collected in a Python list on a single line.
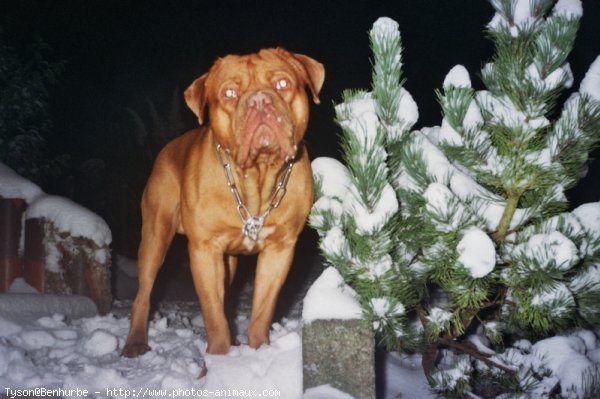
[(271, 271), (208, 272)]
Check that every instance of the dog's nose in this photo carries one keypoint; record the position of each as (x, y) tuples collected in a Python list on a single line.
[(259, 100)]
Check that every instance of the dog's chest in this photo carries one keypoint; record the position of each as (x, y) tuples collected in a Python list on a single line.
[(241, 244)]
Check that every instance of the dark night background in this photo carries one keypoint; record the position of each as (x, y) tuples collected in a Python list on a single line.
[(126, 64)]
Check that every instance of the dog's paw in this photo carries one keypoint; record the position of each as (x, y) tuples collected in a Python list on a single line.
[(135, 349)]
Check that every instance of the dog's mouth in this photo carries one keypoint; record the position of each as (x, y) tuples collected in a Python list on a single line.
[(265, 127)]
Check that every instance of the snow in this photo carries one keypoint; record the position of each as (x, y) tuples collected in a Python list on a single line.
[(589, 217), (439, 200), (560, 76), (378, 268), (590, 277), (550, 299), (542, 158), (383, 308), (477, 252), (457, 77), (325, 392), (332, 205), (590, 84), (69, 217), (437, 195), (439, 316), (333, 175), (359, 115), (62, 351), (488, 206), (69, 352), (371, 219), (448, 135), (15, 186), (101, 343), (448, 379), (385, 27), (553, 249), (473, 116), (522, 18), (335, 242), (588, 337), (506, 113), (566, 358), (438, 165), (568, 8), (522, 12), (408, 111), (36, 305), (19, 286), (330, 289), (276, 367), (481, 344), (405, 378)]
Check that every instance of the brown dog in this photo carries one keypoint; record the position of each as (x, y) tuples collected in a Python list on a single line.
[(246, 167)]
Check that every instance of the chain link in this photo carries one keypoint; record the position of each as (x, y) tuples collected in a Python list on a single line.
[(251, 225)]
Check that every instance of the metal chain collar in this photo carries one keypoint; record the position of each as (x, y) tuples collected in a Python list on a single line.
[(251, 225)]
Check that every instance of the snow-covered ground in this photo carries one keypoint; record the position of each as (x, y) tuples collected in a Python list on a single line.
[(76, 352), (42, 348)]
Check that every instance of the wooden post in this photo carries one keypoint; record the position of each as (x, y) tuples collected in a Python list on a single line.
[(11, 263)]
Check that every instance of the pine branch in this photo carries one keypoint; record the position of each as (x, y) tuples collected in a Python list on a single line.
[(469, 350), (509, 212)]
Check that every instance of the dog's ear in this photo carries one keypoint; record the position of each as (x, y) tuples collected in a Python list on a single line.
[(315, 72), (195, 97)]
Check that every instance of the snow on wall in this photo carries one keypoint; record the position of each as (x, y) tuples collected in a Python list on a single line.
[(13, 185), (65, 215), (69, 217)]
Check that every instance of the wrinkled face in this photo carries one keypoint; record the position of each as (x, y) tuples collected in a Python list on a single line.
[(258, 103)]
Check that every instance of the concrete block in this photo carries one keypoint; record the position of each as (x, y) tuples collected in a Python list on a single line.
[(340, 353)]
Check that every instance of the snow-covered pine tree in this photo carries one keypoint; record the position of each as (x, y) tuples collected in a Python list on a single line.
[(483, 195), (482, 250), (356, 210)]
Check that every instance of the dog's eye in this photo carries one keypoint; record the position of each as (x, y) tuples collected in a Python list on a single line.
[(282, 84), (230, 93)]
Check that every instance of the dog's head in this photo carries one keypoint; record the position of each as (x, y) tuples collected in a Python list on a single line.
[(257, 103)]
